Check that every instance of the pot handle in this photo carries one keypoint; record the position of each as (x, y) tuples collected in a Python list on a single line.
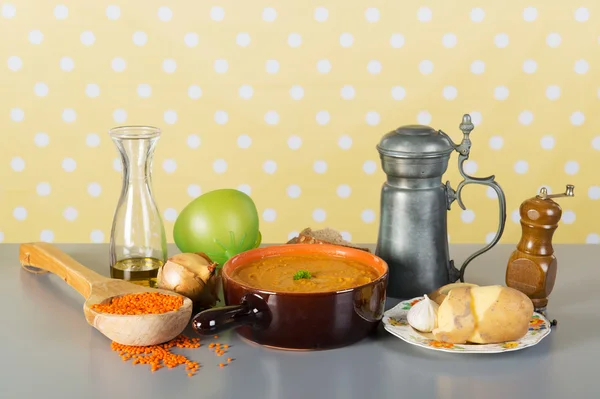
[(252, 310), (464, 148)]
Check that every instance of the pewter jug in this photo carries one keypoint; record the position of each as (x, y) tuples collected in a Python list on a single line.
[(413, 231)]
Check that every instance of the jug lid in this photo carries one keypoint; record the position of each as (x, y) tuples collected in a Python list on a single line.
[(415, 141)]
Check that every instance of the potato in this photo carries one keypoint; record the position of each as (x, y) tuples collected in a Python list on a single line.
[(441, 293), (483, 315)]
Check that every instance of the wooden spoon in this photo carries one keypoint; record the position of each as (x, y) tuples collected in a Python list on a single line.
[(137, 330)]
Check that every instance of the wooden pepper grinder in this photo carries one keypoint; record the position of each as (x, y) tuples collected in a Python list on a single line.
[(532, 266)]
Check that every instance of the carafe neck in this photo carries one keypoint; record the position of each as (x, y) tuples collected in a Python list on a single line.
[(136, 156)]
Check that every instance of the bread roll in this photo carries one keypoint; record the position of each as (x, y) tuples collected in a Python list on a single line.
[(483, 315)]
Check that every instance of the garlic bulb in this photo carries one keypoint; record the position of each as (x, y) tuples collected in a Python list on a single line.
[(423, 315)]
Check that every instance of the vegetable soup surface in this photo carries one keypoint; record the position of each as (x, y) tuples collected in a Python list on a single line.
[(304, 273)]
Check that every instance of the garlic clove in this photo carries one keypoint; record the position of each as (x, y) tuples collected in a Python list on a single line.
[(423, 315)]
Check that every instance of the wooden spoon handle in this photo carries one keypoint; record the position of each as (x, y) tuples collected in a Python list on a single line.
[(41, 257)]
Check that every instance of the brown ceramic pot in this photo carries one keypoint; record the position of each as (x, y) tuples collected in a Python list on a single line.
[(301, 321)]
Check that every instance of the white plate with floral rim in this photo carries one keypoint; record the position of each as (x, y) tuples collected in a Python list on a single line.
[(395, 323)]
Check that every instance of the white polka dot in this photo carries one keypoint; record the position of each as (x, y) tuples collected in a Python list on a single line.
[(594, 192), (67, 64), (592, 238), (582, 14), (467, 216), (529, 66), (69, 115), (581, 67), (144, 90), (294, 142), (271, 118), (491, 193), (194, 190), (346, 236), (374, 67), (515, 216), (69, 164), (323, 66), (477, 67), (426, 67), (553, 92), (568, 217), (553, 40), (398, 93), (345, 142), (269, 14), (319, 215), (165, 14), (424, 14), (46, 236), (17, 115), (170, 65), (525, 118), (61, 11), (272, 66), (193, 141), (246, 92), (320, 167), (424, 117), (244, 141), (343, 191), (294, 40), (87, 38), (372, 118), (470, 167), (170, 117), (191, 39), (92, 90), (449, 40), (397, 40), (547, 142), (194, 92), (94, 189), (477, 14), (220, 166), (347, 92), (571, 167), (221, 66), (169, 165), (293, 191), (292, 234), (118, 64), (270, 167), (245, 188), (596, 143), (139, 38), (322, 117), (476, 117), (119, 115), (368, 216), (70, 214), (170, 215), (521, 167), (269, 215), (577, 118), (530, 14), (321, 14), (489, 237), (369, 167), (1, 236), (97, 236), (20, 213), (118, 164), (217, 13), (346, 40), (14, 63), (8, 11), (91, 140), (501, 93), (221, 117), (41, 139), (501, 40), (372, 14), (43, 189), (17, 164), (40, 89), (113, 12), (36, 37), (243, 39), (297, 92)]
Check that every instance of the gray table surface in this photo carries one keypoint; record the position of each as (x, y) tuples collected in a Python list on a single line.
[(49, 351)]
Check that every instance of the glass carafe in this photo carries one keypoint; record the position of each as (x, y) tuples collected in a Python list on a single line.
[(138, 245)]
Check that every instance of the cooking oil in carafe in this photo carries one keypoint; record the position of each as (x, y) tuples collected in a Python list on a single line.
[(141, 271)]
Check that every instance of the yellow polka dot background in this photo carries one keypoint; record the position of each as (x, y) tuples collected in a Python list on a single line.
[(286, 101)]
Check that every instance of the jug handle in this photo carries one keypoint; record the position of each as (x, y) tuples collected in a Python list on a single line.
[(464, 148)]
